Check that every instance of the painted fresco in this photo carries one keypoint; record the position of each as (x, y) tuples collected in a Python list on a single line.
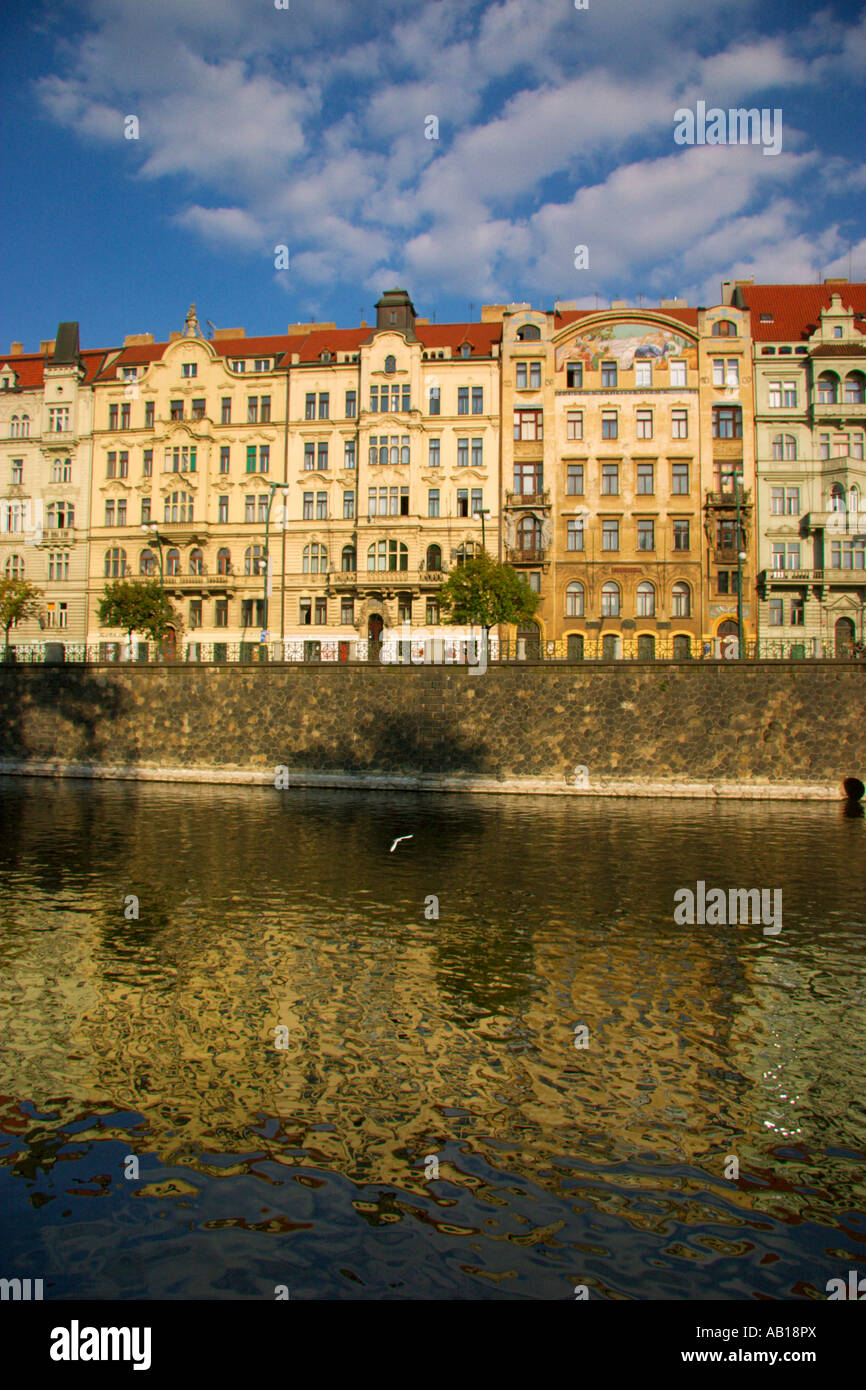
[(623, 343)]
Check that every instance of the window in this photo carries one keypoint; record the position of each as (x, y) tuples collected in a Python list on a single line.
[(574, 528), (462, 501), (111, 464), (307, 514), (643, 374), (225, 458), (109, 513), (574, 374), (226, 410), (195, 613), (646, 599), (608, 374), (574, 600), (387, 555), (777, 501), (727, 422), (678, 374), (349, 454), (609, 425), (828, 388), (175, 410), (196, 561), (315, 559), (477, 400), (610, 535), (221, 612), (849, 555), (784, 446), (264, 458), (324, 405), (433, 501), (723, 585), (434, 558), (646, 535), (347, 612), (824, 446), (432, 612), (528, 477), (58, 565), (147, 463), (310, 405), (124, 416), (147, 563), (724, 328), (250, 509), (777, 612), (463, 400), (681, 535), (61, 516), (56, 616), (309, 457), (679, 424), (610, 600), (123, 463), (322, 455), (610, 479), (478, 453), (434, 456), (321, 506), (726, 371), (149, 407), (180, 459), (798, 612), (644, 424), (528, 375), (529, 333), (178, 507), (172, 562), (434, 400), (189, 369), (254, 559), (112, 417), (726, 535), (351, 404), (121, 512), (476, 500), (390, 364), (574, 480), (786, 556), (17, 470), (224, 560), (115, 564), (265, 410), (348, 559), (681, 600), (223, 509), (857, 446), (529, 534), (348, 506), (574, 424), (15, 567), (528, 425), (645, 480), (855, 388), (198, 407)]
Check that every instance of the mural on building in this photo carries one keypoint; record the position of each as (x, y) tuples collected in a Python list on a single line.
[(624, 342)]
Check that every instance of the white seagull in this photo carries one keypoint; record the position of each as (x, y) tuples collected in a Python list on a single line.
[(397, 841)]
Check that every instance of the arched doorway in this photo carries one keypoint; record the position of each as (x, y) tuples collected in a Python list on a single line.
[(169, 644), (528, 642), (727, 643), (374, 632), (845, 633)]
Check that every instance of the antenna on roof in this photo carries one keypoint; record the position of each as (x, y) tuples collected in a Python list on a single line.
[(211, 327), (471, 311)]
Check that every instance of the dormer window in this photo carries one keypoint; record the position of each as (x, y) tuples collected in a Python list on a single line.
[(130, 373), (529, 333), (465, 349), (325, 356), (726, 328), (837, 331), (263, 364), (390, 364), (766, 318), (239, 365), (189, 369)]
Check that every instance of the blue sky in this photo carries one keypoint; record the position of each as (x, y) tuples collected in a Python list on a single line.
[(305, 127)]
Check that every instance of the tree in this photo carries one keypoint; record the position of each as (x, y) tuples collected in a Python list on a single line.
[(137, 605), (19, 600), (484, 592)]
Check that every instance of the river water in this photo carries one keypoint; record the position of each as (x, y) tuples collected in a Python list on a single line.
[(580, 1070)]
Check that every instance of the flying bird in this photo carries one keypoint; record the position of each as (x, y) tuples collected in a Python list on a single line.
[(397, 841)]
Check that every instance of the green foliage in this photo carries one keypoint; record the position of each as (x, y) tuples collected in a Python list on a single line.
[(483, 593), (19, 600), (137, 605)]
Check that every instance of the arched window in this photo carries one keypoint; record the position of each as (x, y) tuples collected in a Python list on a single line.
[(224, 561), (724, 328), (610, 600), (15, 567), (854, 388), (529, 533), (646, 599), (253, 559), (395, 453), (681, 600), (61, 471), (837, 498), (465, 552), (529, 333), (646, 647), (390, 364), (14, 427), (682, 646), (434, 557), (387, 555), (172, 562), (784, 446), (147, 562), (349, 559), (25, 425), (854, 500), (115, 563), (574, 600), (196, 562), (828, 388), (315, 558), (178, 507)]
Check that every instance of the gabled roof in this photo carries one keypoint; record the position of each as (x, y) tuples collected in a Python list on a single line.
[(796, 309)]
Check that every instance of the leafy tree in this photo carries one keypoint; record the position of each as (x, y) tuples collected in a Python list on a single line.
[(137, 605), (483, 592), (19, 600)]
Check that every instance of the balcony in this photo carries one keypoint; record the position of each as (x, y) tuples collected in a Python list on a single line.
[(379, 579), (516, 556), (728, 498), (828, 575), (838, 410), (528, 499)]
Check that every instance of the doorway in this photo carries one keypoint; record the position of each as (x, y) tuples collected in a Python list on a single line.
[(845, 633), (374, 632), (169, 644)]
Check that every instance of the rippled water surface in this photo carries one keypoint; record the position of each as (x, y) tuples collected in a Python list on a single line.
[(412, 1038)]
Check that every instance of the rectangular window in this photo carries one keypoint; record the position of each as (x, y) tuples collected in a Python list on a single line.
[(223, 509), (681, 535), (476, 501), (395, 398), (610, 535), (264, 458), (722, 582), (17, 470), (478, 453), (610, 479), (405, 402), (225, 458), (322, 456), (251, 458), (111, 465), (575, 533), (404, 501), (435, 400), (777, 501), (433, 501), (824, 446), (646, 535), (463, 453), (324, 405), (310, 405), (462, 501), (308, 507), (226, 410), (678, 374), (145, 511), (463, 400), (147, 463), (521, 378), (432, 613), (574, 374), (148, 415), (250, 509), (477, 400), (112, 417), (349, 454), (608, 374), (727, 422), (347, 612), (609, 425), (348, 506), (263, 507), (574, 479), (857, 446), (789, 393), (393, 503), (777, 612), (798, 612), (121, 512), (643, 374), (574, 424), (434, 458), (252, 410), (849, 555), (644, 424), (726, 535), (123, 464), (124, 417), (198, 408), (645, 479), (109, 513), (265, 410), (309, 457), (175, 410), (321, 612), (195, 612), (221, 613), (679, 424), (528, 425), (189, 369), (371, 501), (321, 506)]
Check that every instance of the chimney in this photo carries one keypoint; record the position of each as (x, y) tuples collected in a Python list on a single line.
[(364, 323), (672, 304), (46, 347), (220, 333), (492, 313), (619, 304), (16, 349), (564, 306), (836, 280), (137, 339), (173, 337)]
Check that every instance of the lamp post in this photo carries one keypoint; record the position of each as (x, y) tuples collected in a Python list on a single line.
[(153, 530), (741, 556), (482, 512), (272, 488)]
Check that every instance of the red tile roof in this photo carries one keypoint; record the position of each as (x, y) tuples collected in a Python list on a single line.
[(30, 367), (796, 309)]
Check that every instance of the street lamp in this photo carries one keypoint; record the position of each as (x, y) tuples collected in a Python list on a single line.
[(741, 557), (152, 529), (272, 488), (482, 513)]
